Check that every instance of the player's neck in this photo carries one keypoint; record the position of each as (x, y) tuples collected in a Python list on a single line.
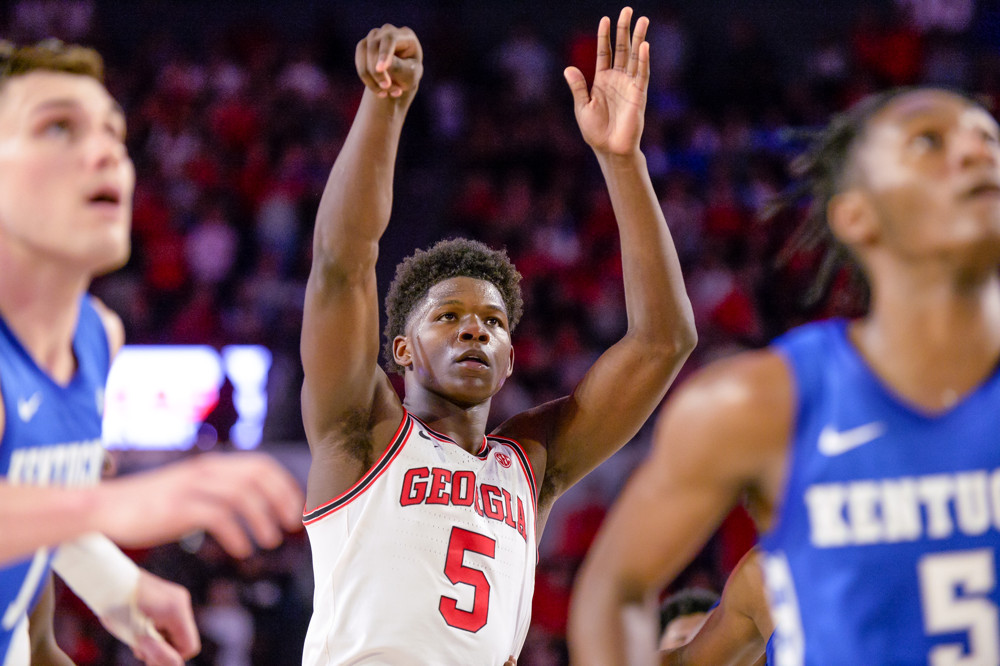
[(937, 312), (934, 344), (465, 425), (39, 302)]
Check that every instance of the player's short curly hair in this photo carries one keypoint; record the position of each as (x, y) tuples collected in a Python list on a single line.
[(50, 55), (458, 257)]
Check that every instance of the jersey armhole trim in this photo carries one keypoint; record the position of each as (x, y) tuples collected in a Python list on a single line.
[(767, 538), (88, 303), (522, 459), (369, 478)]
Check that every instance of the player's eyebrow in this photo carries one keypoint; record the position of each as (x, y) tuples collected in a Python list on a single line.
[(455, 301), (920, 110), (70, 103)]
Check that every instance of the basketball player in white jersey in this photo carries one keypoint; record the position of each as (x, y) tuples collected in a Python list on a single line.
[(65, 209), (423, 527)]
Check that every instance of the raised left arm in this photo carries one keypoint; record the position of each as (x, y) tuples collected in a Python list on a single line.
[(624, 386)]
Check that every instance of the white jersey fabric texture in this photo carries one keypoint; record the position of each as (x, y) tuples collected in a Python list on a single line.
[(428, 559)]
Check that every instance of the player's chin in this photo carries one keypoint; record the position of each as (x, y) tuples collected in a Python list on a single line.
[(975, 257), (111, 257), (470, 391), (985, 256)]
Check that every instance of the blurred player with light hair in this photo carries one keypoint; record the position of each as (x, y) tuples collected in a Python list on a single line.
[(66, 184)]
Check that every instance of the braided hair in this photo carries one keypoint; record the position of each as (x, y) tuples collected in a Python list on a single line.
[(820, 173)]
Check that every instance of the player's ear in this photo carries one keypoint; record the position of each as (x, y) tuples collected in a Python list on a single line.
[(852, 217), (401, 351), (510, 362)]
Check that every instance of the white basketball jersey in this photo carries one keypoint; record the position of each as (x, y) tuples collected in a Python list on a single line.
[(428, 559)]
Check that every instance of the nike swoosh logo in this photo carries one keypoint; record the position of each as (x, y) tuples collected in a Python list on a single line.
[(833, 442), (26, 409)]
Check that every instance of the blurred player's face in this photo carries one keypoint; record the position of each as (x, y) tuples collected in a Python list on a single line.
[(66, 180), (458, 341), (930, 163)]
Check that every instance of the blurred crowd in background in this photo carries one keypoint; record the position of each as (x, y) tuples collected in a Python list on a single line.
[(236, 111)]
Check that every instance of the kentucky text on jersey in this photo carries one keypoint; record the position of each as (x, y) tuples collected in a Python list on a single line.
[(70, 464), (440, 486), (51, 436), (904, 509)]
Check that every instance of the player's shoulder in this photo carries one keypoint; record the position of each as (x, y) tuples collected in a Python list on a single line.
[(531, 429), (747, 582), (732, 418), (742, 383), (113, 326)]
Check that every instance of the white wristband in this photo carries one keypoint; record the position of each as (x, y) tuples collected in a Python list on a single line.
[(108, 582), (98, 572)]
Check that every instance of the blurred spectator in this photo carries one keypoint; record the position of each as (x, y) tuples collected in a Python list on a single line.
[(68, 20), (526, 63), (944, 15), (226, 626)]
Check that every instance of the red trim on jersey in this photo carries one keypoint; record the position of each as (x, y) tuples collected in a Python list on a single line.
[(382, 464), (522, 459)]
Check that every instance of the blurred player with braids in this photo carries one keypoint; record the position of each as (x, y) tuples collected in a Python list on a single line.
[(66, 186), (867, 450), (424, 528)]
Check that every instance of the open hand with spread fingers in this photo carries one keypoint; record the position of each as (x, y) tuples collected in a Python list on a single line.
[(390, 61), (610, 115)]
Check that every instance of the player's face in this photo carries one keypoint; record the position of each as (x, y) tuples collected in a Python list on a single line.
[(931, 162), (66, 180), (458, 342)]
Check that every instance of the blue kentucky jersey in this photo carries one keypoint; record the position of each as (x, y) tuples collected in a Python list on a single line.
[(885, 550), (51, 435)]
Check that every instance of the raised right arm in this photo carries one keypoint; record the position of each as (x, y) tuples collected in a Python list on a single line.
[(344, 386)]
